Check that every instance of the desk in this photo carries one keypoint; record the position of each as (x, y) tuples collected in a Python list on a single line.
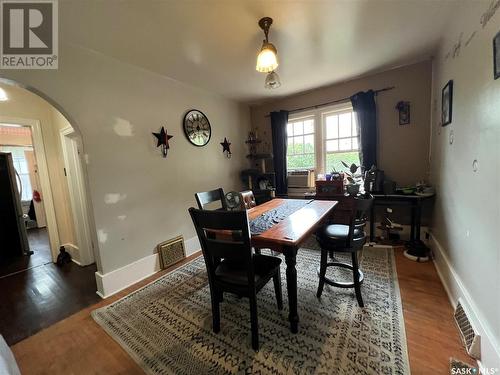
[(287, 236), (416, 247)]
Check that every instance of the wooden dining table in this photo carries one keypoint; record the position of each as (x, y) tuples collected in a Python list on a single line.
[(287, 235)]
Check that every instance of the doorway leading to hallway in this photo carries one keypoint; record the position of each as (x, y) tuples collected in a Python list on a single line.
[(16, 140), (47, 180)]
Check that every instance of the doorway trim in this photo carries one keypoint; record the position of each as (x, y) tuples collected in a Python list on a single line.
[(39, 148), (77, 195)]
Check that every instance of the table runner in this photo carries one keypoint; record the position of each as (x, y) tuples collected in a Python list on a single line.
[(265, 221)]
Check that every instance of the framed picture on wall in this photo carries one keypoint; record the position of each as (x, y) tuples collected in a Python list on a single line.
[(447, 103), (404, 112), (496, 56)]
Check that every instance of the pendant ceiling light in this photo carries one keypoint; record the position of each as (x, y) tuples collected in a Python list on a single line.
[(267, 60)]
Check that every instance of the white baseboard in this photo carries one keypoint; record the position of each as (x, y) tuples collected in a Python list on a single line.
[(112, 282), (490, 349), (192, 245)]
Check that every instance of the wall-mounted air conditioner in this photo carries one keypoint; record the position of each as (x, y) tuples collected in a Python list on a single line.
[(301, 179)]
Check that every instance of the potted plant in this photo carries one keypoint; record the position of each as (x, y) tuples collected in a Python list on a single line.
[(353, 186)]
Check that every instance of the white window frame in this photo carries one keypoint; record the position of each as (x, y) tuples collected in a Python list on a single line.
[(303, 117), (319, 115)]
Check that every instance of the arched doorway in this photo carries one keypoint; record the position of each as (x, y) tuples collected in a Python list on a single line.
[(37, 293), (61, 171)]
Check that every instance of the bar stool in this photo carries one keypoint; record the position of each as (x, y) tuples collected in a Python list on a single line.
[(345, 238)]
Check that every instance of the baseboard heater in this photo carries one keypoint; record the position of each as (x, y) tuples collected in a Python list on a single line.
[(468, 334)]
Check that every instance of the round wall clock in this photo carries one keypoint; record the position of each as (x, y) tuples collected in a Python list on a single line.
[(197, 128)]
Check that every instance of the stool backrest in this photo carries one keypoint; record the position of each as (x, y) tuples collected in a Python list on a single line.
[(362, 205)]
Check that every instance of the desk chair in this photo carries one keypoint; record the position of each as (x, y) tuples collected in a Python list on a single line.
[(206, 197), (347, 238), (231, 265)]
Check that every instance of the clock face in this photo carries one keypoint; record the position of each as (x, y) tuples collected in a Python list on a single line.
[(197, 128)]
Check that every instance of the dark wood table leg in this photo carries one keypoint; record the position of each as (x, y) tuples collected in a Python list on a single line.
[(372, 223), (413, 221), (418, 220), (291, 285)]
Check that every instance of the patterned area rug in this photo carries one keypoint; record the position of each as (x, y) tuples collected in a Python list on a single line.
[(166, 326)]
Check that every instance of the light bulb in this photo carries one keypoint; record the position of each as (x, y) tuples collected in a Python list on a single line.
[(267, 59), (272, 81)]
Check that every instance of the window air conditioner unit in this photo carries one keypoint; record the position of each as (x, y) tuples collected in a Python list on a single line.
[(301, 179)]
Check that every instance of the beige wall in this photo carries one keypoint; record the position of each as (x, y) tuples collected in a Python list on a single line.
[(467, 209), (140, 199), (403, 151), (25, 105)]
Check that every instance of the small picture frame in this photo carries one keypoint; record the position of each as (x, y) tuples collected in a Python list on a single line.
[(447, 103), (496, 56), (404, 112), (171, 252)]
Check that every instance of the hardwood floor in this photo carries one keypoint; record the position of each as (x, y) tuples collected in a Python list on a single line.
[(77, 345), (39, 297), (38, 240)]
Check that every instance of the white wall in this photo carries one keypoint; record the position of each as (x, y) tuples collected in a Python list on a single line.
[(140, 199), (467, 209)]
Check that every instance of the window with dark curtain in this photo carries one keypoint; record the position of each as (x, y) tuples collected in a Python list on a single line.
[(279, 122), (364, 106)]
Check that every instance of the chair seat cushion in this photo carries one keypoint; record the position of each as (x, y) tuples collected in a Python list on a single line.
[(334, 237), (234, 273), (340, 232)]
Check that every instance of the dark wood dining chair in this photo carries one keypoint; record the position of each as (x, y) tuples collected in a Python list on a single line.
[(247, 200), (345, 238), (231, 265), (206, 198)]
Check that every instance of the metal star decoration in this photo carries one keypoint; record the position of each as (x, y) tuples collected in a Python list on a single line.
[(162, 140), (226, 147)]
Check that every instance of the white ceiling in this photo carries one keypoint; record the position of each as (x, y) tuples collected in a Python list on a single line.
[(213, 44)]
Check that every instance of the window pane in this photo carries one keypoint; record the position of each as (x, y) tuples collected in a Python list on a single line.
[(298, 145), (354, 125), (300, 161), (297, 128), (345, 144), (332, 145), (332, 127), (308, 126), (309, 143), (289, 150), (289, 129), (355, 143), (345, 125), (334, 161)]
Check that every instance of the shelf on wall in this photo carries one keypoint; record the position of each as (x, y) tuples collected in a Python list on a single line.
[(260, 156), (253, 141)]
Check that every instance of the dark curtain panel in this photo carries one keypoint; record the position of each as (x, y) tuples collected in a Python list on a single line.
[(278, 128), (363, 104)]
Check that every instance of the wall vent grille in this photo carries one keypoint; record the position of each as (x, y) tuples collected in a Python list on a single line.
[(470, 338), (171, 251)]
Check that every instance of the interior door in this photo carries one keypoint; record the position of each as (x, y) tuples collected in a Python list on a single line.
[(35, 184)]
